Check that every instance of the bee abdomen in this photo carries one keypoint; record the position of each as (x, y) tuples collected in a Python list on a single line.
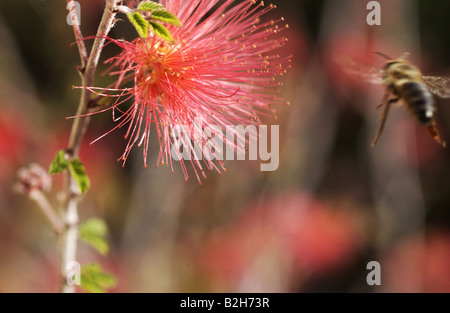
[(418, 101)]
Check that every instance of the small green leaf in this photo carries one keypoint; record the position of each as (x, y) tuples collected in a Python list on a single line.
[(95, 280), (160, 31), (146, 6), (59, 163), (97, 102), (104, 102), (78, 172), (94, 232), (166, 16), (140, 23)]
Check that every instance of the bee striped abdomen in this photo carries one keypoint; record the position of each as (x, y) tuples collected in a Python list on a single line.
[(418, 100)]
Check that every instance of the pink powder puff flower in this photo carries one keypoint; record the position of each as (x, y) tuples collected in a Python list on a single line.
[(222, 69)]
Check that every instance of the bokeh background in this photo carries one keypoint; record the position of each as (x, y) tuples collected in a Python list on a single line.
[(333, 205)]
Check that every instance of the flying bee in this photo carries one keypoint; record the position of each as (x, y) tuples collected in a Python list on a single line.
[(406, 85)]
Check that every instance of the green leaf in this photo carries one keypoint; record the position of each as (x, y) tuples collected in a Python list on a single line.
[(166, 16), (139, 22), (160, 31), (94, 232), (78, 172), (104, 102), (94, 279), (146, 6), (97, 102), (59, 163)]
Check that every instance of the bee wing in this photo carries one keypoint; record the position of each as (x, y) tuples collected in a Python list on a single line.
[(368, 73), (438, 84)]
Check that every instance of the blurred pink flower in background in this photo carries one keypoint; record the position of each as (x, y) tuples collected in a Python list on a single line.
[(14, 140), (419, 264), (222, 68), (304, 235)]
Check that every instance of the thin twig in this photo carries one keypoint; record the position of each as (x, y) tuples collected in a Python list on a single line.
[(77, 32), (68, 239), (88, 77), (39, 197)]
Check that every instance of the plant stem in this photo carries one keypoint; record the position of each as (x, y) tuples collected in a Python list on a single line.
[(77, 31), (69, 235), (39, 197)]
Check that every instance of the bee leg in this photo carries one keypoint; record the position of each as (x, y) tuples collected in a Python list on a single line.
[(384, 115), (384, 100), (435, 133)]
